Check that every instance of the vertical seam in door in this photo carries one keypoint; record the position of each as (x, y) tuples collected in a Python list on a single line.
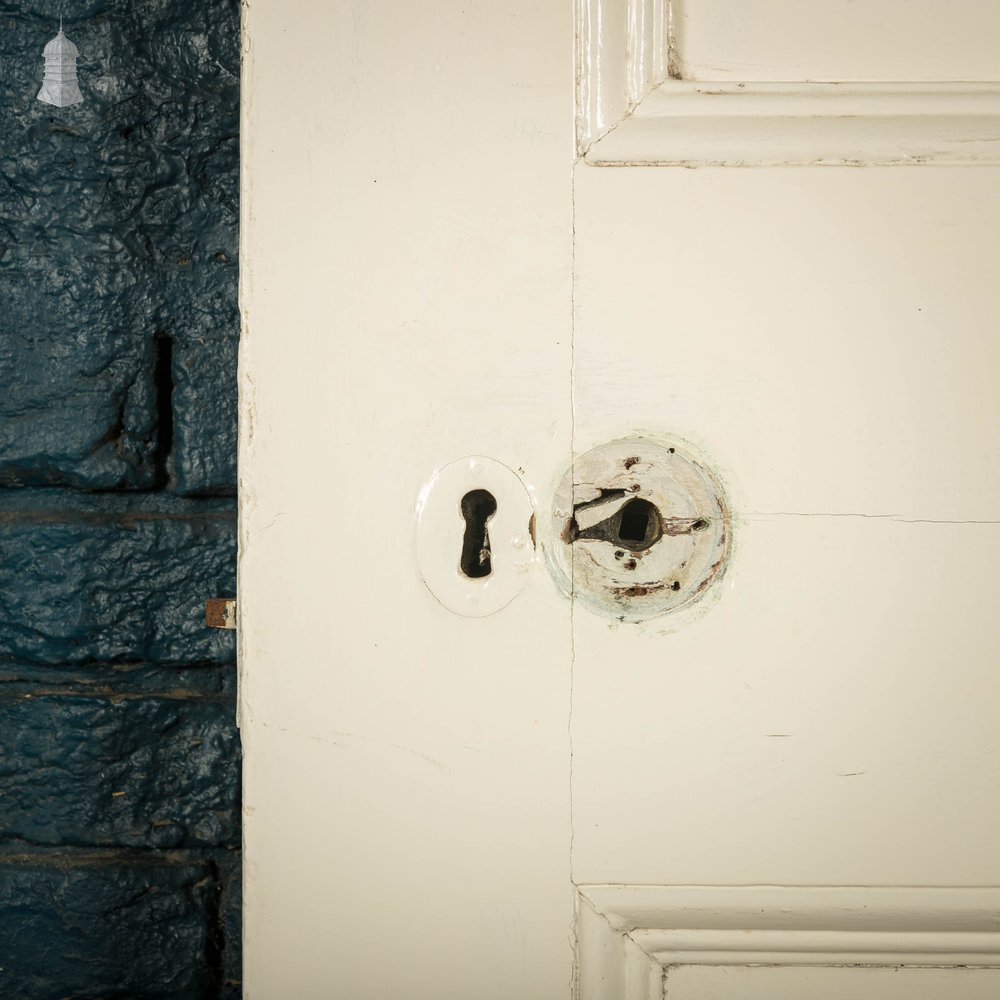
[(572, 465), (673, 62)]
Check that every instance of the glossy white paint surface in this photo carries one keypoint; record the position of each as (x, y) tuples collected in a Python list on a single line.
[(641, 942), (441, 536), (728, 983), (828, 335), (888, 40), (622, 53), (428, 273), (406, 291), (801, 124)]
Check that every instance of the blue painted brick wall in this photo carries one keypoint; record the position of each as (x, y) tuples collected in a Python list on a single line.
[(119, 756)]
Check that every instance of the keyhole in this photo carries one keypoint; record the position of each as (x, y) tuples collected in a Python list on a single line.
[(478, 506), (638, 526), (635, 526)]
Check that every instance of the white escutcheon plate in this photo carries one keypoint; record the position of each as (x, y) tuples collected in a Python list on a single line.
[(442, 529)]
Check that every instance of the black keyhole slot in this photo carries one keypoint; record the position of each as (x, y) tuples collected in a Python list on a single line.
[(637, 523), (635, 526), (478, 507), (639, 526)]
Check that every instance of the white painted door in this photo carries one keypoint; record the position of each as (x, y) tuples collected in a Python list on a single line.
[(482, 240)]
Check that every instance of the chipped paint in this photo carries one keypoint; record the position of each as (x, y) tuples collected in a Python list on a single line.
[(642, 531)]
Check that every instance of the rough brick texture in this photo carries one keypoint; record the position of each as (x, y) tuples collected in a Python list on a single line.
[(101, 765), (119, 754), (113, 578), (114, 924), (118, 223), (204, 396)]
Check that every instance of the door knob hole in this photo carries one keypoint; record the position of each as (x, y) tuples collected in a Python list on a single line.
[(478, 507), (639, 525)]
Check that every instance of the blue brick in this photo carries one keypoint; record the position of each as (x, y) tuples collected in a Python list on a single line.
[(102, 765), (76, 924), (118, 221), (204, 442), (118, 274), (112, 579)]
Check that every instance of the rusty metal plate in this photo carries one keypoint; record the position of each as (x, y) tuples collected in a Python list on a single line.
[(220, 612), (639, 529)]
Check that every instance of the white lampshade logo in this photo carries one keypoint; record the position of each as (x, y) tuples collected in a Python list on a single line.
[(59, 86)]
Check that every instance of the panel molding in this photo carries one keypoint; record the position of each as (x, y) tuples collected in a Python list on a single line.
[(778, 124), (632, 111), (629, 936), (622, 53)]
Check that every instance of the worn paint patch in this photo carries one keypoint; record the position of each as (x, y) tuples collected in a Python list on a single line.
[(639, 528)]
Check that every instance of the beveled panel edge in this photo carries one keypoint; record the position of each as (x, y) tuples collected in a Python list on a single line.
[(682, 123), (628, 936), (622, 52)]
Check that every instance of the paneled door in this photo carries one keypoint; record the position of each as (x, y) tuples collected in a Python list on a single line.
[(620, 500)]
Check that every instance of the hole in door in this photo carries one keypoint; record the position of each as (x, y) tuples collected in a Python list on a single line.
[(478, 506), (639, 525)]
